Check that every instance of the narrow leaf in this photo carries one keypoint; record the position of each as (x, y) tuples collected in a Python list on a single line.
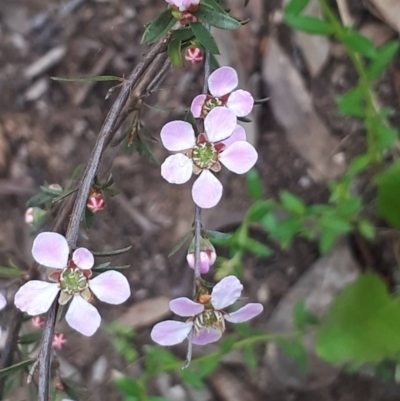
[(14, 368), (360, 44), (180, 243), (385, 55), (295, 7), (159, 27), (204, 36), (311, 25), (99, 78), (175, 53), (222, 20), (112, 253)]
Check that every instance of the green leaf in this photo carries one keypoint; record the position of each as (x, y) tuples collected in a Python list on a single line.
[(175, 53), (227, 344), (352, 103), (296, 351), (214, 64), (213, 4), (336, 224), (384, 57), (362, 325), (301, 316), (217, 235), (350, 207), (192, 379), (128, 386), (388, 196), (30, 338), (256, 248), (219, 19), (292, 203), (258, 210), (14, 368), (254, 185), (106, 266), (327, 240), (311, 25), (360, 44), (159, 27), (180, 243), (295, 7), (250, 357), (9, 272), (386, 137), (367, 229), (183, 34), (358, 165), (208, 366), (204, 36), (157, 359), (284, 231), (112, 253), (142, 149), (99, 78)]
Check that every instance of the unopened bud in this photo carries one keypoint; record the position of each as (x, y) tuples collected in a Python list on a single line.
[(95, 201), (207, 255), (37, 321), (33, 214), (194, 55), (55, 187), (58, 341)]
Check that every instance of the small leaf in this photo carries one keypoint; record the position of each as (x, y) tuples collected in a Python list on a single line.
[(99, 78), (352, 103), (360, 44), (14, 368), (219, 19), (327, 240), (311, 25), (258, 210), (367, 229), (112, 253), (7, 272), (183, 34), (208, 366), (292, 203), (64, 195), (214, 64), (386, 137), (256, 248), (192, 379), (250, 357), (217, 235), (301, 316), (159, 27), (254, 185), (142, 149), (358, 165), (128, 386), (297, 352), (295, 7), (204, 36), (180, 243), (385, 55), (30, 338), (105, 267), (213, 4), (336, 224), (227, 344), (175, 53)]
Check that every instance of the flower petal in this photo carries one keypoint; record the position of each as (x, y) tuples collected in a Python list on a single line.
[(83, 258), (226, 292), (111, 287), (244, 314), (178, 135), (197, 105), (207, 336), (219, 124), (223, 81), (83, 316), (185, 307), (240, 102), (206, 261), (3, 301), (239, 158), (177, 169), (239, 134), (51, 250), (170, 332), (35, 297), (207, 190)]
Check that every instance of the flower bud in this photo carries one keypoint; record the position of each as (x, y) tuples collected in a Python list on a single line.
[(194, 55), (58, 341), (37, 321), (207, 255), (34, 214), (95, 201), (55, 187)]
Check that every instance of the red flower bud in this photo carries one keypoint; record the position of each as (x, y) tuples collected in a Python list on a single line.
[(194, 55), (95, 201)]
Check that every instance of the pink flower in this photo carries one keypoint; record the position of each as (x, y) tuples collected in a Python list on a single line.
[(183, 5), (73, 280), (37, 321), (206, 317), (194, 55), (221, 85), (95, 201), (58, 341), (205, 153)]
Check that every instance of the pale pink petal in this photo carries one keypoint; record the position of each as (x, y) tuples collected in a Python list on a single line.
[(83, 316), (177, 169), (111, 287), (177, 136), (83, 258), (223, 81), (51, 250), (226, 292), (219, 124), (205, 262), (239, 158), (240, 102), (3, 301), (244, 314), (35, 297), (207, 336), (197, 105), (185, 307), (170, 332), (206, 190), (239, 134)]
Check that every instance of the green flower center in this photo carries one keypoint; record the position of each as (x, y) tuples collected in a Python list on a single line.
[(210, 104), (73, 281), (204, 155)]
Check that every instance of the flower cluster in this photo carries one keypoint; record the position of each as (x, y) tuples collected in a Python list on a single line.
[(206, 317), (222, 142), (72, 282)]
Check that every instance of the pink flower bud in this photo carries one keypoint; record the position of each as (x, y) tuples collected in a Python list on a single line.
[(194, 55), (207, 259), (58, 341), (55, 187), (34, 214), (29, 216), (95, 201), (37, 321)]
